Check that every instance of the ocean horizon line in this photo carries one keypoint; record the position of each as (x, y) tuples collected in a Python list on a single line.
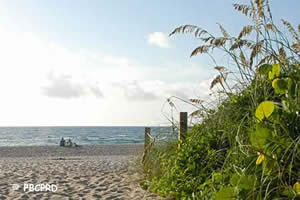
[(120, 126)]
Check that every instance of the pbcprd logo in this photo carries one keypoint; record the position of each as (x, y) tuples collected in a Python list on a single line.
[(27, 187)]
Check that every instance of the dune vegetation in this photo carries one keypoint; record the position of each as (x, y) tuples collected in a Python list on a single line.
[(246, 146)]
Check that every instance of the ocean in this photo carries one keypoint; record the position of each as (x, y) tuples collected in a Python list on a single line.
[(36, 136)]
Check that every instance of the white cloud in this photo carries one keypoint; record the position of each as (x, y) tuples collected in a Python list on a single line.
[(26, 85), (63, 86), (133, 91), (152, 90), (159, 39)]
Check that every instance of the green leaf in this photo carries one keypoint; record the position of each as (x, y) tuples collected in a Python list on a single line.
[(247, 182), (234, 180), (260, 137), (217, 176), (265, 69), (280, 86), (288, 191), (275, 71), (286, 106), (297, 187), (227, 193), (264, 110)]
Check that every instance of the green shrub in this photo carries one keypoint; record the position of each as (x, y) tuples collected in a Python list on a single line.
[(248, 147)]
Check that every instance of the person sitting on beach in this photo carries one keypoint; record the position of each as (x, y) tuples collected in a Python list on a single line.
[(62, 142), (69, 143)]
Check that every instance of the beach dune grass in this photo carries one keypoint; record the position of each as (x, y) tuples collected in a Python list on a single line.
[(246, 145)]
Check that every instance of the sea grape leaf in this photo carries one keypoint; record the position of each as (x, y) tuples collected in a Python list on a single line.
[(297, 187), (217, 177), (275, 71), (247, 182), (280, 85), (265, 69), (291, 86), (226, 193), (264, 110), (260, 137), (234, 180)]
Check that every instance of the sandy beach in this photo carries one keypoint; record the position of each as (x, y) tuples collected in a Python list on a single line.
[(87, 172)]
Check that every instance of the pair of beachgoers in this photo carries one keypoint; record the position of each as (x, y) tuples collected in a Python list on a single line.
[(68, 143)]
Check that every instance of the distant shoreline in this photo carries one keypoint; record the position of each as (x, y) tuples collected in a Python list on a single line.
[(36, 136), (52, 151), (78, 126), (57, 145)]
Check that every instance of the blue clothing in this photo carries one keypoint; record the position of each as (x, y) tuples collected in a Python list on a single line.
[(62, 142)]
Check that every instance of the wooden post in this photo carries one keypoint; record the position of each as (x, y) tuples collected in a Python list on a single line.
[(147, 137), (183, 125)]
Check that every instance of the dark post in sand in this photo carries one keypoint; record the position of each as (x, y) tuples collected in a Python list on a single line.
[(182, 125)]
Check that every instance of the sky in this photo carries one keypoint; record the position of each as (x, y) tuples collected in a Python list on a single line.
[(107, 63)]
